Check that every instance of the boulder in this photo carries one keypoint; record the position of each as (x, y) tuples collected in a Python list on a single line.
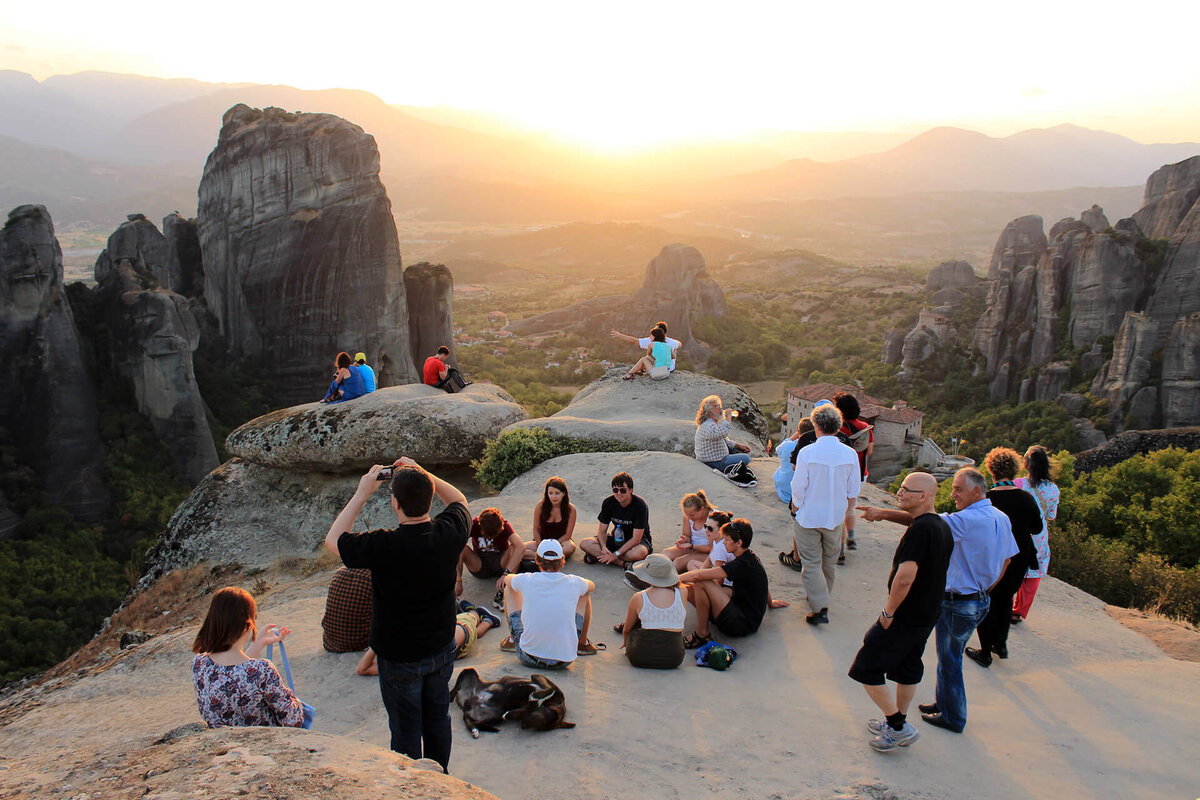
[(1051, 380), (1094, 218), (1131, 362), (1107, 280), (949, 298), (429, 289), (301, 257), (653, 415), (1092, 360), (418, 421), (185, 269), (1180, 392), (138, 242), (950, 275), (1089, 435), (153, 337), (1072, 402), (50, 411)]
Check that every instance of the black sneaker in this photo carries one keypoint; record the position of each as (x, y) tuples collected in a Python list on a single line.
[(634, 582), (498, 600), (851, 544)]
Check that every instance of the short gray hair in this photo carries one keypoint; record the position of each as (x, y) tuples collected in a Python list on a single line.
[(973, 478), (826, 419)]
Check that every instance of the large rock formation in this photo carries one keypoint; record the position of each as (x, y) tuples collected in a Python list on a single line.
[(1179, 394), (301, 257), (1171, 192), (295, 468), (1177, 291), (418, 421), (430, 290), (652, 415), (152, 337), (50, 406), (1126, 445), (950, 275), (677, 290)]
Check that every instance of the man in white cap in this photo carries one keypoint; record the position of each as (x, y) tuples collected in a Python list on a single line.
[(549, 612), (368, 374)]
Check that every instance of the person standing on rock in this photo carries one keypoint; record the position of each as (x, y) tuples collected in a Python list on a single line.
[(414, 607), (628, 541), (439, 375), (368, 374), (893, 646), (983, 547), (824, 489)]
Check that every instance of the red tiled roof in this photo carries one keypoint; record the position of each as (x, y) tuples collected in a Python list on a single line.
[(872, 409)]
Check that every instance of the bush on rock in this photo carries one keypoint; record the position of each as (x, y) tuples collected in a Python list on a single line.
[(517, 451)]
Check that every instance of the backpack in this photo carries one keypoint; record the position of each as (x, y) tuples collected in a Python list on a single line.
[(741, 474), (860, 439)]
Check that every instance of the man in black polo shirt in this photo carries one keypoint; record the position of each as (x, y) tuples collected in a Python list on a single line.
[(893, 646), (412, 622), (736, 610)]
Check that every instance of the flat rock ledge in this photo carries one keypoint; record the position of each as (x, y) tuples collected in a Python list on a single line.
[(652, 415), (414, 420)]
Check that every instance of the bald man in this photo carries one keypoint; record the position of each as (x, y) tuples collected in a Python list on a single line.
[(893, 646)]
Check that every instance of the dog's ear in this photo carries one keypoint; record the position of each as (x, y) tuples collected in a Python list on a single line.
[(566, 724)]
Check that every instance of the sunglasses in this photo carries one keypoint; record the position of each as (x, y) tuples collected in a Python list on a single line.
[(712, 528), (620, 489)]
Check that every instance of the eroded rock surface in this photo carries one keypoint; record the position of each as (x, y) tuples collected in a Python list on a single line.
[(415, 420), (429, 289), (50, 407), (653, 415), (153, 336), (301, 256), (185, 268)]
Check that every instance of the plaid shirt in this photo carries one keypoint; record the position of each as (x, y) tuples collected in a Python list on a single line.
[(347, 620), (710, 443)]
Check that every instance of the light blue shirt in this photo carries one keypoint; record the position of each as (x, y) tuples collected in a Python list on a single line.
[(783, 475), (983, 539), (368, 375)]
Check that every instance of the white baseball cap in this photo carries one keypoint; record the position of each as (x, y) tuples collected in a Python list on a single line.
[(550, 548)]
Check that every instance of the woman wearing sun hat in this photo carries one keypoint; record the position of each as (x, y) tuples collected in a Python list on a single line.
[(653, 626)]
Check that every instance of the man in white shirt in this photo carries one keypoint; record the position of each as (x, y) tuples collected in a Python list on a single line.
[(644, 342), (824, 489), (549, 612)]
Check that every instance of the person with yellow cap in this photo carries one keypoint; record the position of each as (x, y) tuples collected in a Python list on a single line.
[(368, 374)]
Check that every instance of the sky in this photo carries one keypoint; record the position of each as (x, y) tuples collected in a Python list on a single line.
[(625, 74)]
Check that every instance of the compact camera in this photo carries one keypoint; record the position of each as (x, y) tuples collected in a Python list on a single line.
[(385, 473)]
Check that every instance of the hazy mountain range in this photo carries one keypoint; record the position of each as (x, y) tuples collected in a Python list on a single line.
[(95, 146)]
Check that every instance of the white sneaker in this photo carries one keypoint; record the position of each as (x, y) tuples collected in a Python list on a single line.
[(889, 739)]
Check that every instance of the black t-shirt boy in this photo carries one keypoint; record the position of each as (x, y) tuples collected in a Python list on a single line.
[(750, 589), (413, 570), (928, 542), (625, 520)]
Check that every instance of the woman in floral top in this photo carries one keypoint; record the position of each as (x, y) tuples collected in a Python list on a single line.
[(233, 685), (1038, 484)]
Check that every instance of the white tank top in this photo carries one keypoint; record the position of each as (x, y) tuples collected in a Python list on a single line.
[(699, 535), (670, 618)]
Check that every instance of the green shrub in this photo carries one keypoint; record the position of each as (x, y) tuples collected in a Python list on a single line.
[(516, 452)]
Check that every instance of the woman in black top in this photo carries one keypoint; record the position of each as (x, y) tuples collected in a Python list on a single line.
[(1022, 511)]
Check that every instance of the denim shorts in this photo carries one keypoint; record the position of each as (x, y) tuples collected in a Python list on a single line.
[(516, 629)]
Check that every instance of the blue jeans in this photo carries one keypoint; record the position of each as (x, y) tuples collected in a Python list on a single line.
[(732, 458), (516, 628), (957, 622), (416, 695)]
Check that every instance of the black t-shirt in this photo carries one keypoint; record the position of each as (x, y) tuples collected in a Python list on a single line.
[(412, 577), (626, 520), (1022, 511), (750, 590), (928, 542)]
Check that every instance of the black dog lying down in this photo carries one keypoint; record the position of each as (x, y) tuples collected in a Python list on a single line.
[(535, 700)]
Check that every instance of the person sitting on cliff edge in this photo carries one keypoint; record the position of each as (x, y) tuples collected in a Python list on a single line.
[(347, 383), (360, 360), (438, 374)]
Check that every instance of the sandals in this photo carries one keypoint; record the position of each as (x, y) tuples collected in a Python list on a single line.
[(788, 560), (695, 640), (590, 649), (619, 627), (628, 377), (588, 558), (508, 645)]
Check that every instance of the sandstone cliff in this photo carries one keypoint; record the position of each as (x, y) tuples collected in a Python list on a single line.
[(430, 290), (50, 406), (152, 337), (677, 289), (300, 252)]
